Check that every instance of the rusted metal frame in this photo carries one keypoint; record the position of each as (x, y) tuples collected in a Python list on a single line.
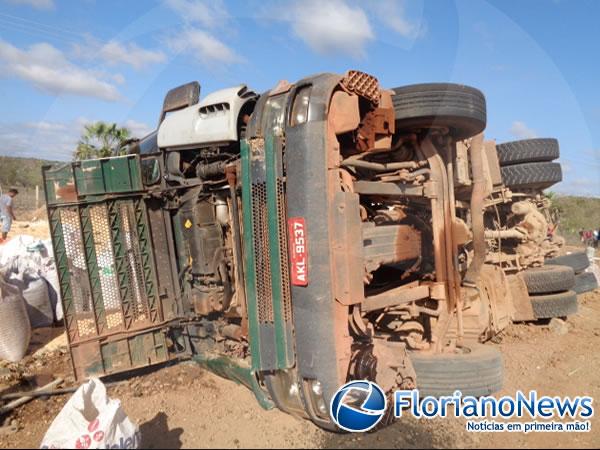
[(450, 146), (477, 205), (388, 189), (395, 297), (478, 196), (147, 260), (231, 175), (121, 262), (122, 334), (379, 167), (64, 278), (442, 226), (438, 210), (87, 234), (134, 257)]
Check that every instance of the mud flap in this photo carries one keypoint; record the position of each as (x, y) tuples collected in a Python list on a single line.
[(522, 308)]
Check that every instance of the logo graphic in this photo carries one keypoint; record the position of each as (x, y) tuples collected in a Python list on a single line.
[(358, 406)]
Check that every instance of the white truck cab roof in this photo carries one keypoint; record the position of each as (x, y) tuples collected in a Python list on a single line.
[(214, 120)]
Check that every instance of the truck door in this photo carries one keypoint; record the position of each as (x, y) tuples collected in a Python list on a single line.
[(113, 248)]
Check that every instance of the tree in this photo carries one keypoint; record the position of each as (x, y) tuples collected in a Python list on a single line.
[(101, 140)]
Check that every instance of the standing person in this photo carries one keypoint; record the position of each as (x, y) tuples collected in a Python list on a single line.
[(7, 214)]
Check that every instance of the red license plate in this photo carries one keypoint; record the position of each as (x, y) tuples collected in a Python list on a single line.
[(298, 251)]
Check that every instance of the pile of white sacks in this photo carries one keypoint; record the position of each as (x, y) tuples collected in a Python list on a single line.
[(29, 293)]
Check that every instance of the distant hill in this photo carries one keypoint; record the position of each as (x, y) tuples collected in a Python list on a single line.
[(577, 213), (21, 172)]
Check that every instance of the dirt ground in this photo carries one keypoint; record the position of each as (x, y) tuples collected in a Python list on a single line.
[(183, 406), (35, 227)]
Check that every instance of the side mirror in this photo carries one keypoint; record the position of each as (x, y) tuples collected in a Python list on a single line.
[(180, 97)]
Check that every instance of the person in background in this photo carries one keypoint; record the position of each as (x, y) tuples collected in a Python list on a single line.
[(7, 214)]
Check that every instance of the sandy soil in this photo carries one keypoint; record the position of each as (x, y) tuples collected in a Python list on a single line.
[(35, 227), (182, 406)]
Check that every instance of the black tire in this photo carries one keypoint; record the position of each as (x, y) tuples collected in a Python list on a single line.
[(477, 371), (549, 279), (540, 175), (458, 107), (577, 261), (527, 150), (585, 282), (554, 305)]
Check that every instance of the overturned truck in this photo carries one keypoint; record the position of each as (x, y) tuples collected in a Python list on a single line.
[(324, 231)]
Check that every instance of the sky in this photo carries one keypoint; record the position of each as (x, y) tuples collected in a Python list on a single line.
[(66, 63)]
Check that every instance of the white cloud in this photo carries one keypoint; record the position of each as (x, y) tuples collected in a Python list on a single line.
[(392, 13), (114, 52), (209, 14), (198, 17), (49, 70), (54, 141), (203, 46), (46, 126), (330, 27), (38, 4), (521, 131)]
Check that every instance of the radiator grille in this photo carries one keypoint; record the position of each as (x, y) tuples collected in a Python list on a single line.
[(261, 252), (262, 247), (283, 251)]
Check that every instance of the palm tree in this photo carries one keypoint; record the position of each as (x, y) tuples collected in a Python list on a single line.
[(101, 140)]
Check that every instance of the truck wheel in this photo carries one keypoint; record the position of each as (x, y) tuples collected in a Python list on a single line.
[(578, 261), (539, 175), (585, 282), (527, 150), (549, 279), (474, 370), (458, 107), (554, 305)]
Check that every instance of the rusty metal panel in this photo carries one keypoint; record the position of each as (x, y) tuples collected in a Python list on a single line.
[(522, 310), (389, 244), (347, 248), (493, 164), (462, 171)]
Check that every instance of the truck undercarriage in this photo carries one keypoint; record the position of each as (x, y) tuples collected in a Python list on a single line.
[(321, 232)]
